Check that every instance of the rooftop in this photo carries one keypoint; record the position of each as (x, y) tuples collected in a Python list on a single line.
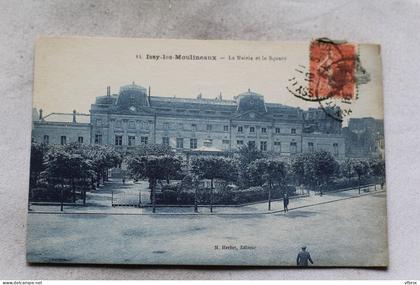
[(67, 118)]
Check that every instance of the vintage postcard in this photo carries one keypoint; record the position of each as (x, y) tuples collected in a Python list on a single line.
[(205, 152)]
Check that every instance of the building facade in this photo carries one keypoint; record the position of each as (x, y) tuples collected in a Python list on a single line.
[(134, 117), (365, 138), (61, 128)]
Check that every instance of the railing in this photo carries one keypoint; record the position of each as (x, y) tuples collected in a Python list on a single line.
[(126, 199), (364, 188)]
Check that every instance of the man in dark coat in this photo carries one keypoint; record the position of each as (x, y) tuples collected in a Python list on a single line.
[(303, 258), (285, 202)]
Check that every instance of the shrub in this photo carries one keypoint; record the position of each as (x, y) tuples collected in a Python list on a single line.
[(228, 195), (343, 183), (169, 197), (51, 194)]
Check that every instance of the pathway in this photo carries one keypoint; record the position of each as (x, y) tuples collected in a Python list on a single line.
[(99, 202)]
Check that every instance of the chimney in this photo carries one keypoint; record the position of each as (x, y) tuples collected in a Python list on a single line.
[(220, 96), (74, 116), (40, 114), (108, 91), (150, 103)]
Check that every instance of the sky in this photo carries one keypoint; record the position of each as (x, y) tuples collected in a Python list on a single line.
[(71, 72)]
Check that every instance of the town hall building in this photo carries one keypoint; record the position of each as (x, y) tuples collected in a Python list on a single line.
[(134, 117)]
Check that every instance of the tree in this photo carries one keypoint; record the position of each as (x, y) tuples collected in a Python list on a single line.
[(84, 168), (38, 152), (245, 155), (65, 165), (60, 165), (248, 153), (324, 166), (153, 168), (346, 169), (314, 169), (378, 169), (213, 167), (190, 182), (361, 168), (102, 157), (297, 168), (268, 170)]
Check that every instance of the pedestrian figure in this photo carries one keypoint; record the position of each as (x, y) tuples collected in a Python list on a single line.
[(285, 202), (321, 189), (303, 258)]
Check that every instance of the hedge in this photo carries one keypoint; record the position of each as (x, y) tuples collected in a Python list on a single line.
[(343, 183), (172, 195)]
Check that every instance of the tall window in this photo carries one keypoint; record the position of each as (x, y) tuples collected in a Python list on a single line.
[(194, 127), (145, 125), (252, 129), (63, 140), (209, 127), (131, 140), (277, 130), (263, 130), (293, 131), (277, 146), (251, 144), (239, 142), (144, 140), (179, 143), (311, 147), (335, 148), (165, 140), (225, 128), (98, 139), (118, 140), (80, 139), (240, 129), (46, 139), (293, 147), (263, 146), (193, 143)]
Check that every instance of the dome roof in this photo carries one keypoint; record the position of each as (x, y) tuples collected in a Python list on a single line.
[(133, 87), (250, 93), (132, 97), (251, 101)]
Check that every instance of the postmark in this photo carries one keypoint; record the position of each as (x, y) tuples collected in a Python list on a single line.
[(332, 69), (332, 77)]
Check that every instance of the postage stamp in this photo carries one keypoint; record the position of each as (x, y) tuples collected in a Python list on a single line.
[(332, 70), (332, 78)]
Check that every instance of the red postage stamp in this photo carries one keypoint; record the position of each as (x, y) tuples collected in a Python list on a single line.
[(332, 70)]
